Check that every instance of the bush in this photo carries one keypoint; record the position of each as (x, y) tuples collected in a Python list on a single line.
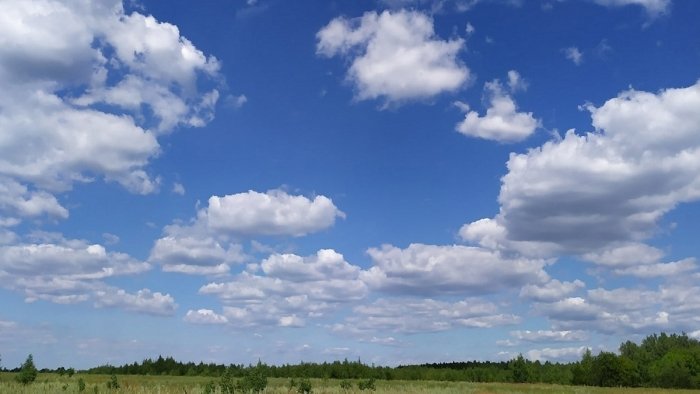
[(226, 383), (304, 386), (366, 384), (346, 385), (27, 372), (113, 383), (210, 387), (255, 380), (81, 385)]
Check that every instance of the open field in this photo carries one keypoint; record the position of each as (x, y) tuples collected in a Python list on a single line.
[(52, 383)]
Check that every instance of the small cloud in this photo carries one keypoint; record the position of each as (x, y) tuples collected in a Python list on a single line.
[(469, 29), (573, 54), (236, 102), (110, 239), (178, 188)]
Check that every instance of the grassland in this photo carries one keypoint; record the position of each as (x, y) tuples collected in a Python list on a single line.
[(52, 383)]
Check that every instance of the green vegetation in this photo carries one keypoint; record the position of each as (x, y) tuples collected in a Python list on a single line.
[(659, 361), (27, 372)]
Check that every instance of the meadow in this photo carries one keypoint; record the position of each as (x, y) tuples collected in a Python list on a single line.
[(53, 383)]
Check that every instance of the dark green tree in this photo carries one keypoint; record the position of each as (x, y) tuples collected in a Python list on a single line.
[(27, 372), (519, 367)]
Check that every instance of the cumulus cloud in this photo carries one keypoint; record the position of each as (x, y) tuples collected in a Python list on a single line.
[(395, 55), (208, 246), (289, 290), (601, 193), (450, 269), (271, 213), (204, 316), (75, 86), (192, 254), (51, 268), (143, 301), (567, 354), (551, 291), (407, 315), (627, 311), (502, 121)]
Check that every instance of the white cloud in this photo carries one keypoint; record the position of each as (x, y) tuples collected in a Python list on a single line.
[(205, 316), (271, 213), (450, 269), (573, 54), (652, 7), (289, 290), (551, 291), (208, 246), (236, 101), (192, 254), (17, 199), (74, 88), (550, 336), (502, 121), (567, 354), (396, 55), (605, 189), (178, 188), (143, 301), (407, 315), (62, 270)]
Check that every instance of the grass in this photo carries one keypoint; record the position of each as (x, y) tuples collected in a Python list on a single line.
[(53, 383)]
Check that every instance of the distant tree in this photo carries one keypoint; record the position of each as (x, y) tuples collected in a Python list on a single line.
[(521, 373), (255, 380), (582, 371), (70, 372), (606, 370), (226, 382), (27, 372)]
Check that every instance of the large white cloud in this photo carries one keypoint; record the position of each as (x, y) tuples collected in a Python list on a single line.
[(396, 55), (273, 213), (603, 192), (289, 290), (143, 301), (208, 245), (449, 269), (86, 90), (502, 121), (51, 268)]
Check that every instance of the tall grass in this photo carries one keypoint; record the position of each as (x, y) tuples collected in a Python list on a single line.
[(52, 383)]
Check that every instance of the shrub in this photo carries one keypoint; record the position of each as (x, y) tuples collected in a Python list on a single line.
[(304, 386), (255, 380), (210, 387), (113, 383), (366, 384), (346, 385), (81, 385), (226, 383), (27, 372)]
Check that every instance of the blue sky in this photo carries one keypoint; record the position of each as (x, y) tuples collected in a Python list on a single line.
[(400, 181)]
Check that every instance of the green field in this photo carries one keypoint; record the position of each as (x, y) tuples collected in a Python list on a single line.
[(52, 383)]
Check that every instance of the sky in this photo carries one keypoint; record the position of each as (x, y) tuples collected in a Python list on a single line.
[(395, 181)]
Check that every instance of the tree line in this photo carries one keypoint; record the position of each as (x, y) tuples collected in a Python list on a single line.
[(660, 360)]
